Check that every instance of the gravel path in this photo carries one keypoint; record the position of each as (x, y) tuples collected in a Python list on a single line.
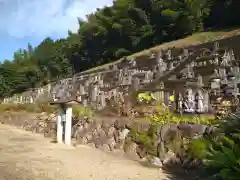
[(27, 156)]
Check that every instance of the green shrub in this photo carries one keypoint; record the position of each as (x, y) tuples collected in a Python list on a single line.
[(220, 154), (32, 108), (223, 160), (165, 116), (230, 127), (197, 148), (79, 110), (145, 139)]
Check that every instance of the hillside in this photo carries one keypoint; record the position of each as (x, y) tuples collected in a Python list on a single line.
[(114, 32), (148, 72), (195, 39)]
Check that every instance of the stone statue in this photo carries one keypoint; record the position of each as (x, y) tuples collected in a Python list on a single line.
[(171, 67), (236, 69), (133, 63), (189, 72), (161, 86), (222, 73), (185, 53), (199, 102), (224, 80), (215, 75), (159, 54), (159, 60), (180, 58), (216, 60), (231, 71), (225, 60), (231, 55), (169, 54), (200, 80), (162, 66), (215, 48), (152, 55), (179, 102), (189, 102)]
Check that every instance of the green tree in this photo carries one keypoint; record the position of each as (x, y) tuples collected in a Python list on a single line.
[(126, 27)]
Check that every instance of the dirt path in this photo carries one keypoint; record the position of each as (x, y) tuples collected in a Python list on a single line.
[(27, 156)]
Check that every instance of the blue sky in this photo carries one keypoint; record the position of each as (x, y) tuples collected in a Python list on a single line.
[(30, 21)]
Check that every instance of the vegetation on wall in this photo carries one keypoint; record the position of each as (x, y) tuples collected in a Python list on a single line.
[(78, 110), (217, 154), (128, 26)]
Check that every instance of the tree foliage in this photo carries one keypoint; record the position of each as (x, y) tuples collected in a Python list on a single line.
[(126, 27)]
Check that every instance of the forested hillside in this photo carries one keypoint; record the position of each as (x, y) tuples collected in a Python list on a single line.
[(108, 34)]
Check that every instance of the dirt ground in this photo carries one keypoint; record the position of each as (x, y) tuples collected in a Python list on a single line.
[(27, 156)]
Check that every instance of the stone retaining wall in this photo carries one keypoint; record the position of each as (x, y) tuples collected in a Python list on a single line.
[(105, 135), (34, 122), (108, 135)]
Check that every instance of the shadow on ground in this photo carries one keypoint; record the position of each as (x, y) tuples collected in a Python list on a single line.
[(54, 141), (177, 172)]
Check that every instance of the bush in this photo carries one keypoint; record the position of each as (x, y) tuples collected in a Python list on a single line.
[(145, 139), (165, 116), (79, 110), (32, 108), (197, 148), (223, 160)]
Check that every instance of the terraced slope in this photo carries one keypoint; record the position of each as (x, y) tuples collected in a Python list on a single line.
[(193, 40)]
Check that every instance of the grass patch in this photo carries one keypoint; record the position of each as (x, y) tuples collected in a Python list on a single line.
[(78, 110), (31, 108)]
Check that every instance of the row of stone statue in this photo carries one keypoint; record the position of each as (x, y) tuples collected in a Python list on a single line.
[(190, 102)]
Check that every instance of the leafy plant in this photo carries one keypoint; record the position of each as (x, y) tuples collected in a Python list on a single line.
[(222, 157), (79, 110), (145, 97), (145, 139), (230, 126), (197, 148), (32, 108), (165, 116), (223, 160)]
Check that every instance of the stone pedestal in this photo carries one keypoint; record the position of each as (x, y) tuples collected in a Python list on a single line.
[(206, 101)]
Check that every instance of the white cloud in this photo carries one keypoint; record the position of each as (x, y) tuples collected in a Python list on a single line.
[(41, 18)]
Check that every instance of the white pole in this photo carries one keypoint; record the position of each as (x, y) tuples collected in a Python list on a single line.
[(60, 126), (68, 126)]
